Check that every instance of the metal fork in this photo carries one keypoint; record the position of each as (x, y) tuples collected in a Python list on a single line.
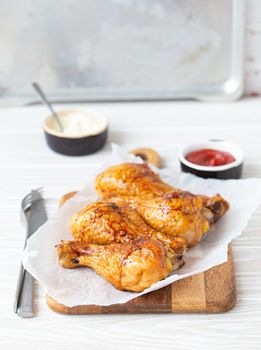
[(33, 215)]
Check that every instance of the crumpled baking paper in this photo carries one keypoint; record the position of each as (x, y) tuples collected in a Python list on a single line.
[(83, 286)]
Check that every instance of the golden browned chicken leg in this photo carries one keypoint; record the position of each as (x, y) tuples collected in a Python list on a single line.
[(132, 266), (129, 179), (181, 215), (177, 214), (106, 223), (162, 207)]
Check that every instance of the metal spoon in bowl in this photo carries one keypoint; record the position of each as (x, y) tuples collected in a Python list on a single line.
[(39, 90)]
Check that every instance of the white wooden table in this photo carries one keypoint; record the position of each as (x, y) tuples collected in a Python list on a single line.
[(26, 163)]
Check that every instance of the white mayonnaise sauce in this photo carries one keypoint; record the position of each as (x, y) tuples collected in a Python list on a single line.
[(77, 123)]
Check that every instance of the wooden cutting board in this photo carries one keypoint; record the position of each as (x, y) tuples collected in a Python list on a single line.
[(211, 291)]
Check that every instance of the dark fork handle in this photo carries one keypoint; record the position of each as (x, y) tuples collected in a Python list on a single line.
[(35, 216), (23, 304), (24, 296)]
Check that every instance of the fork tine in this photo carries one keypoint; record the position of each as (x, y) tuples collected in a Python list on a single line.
[(32, 197), (37, 191), (36, 195), (26, 201)]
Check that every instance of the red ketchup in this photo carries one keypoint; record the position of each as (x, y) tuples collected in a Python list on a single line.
[(210, 157)]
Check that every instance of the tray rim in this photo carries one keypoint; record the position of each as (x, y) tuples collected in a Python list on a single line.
[(229, 90)]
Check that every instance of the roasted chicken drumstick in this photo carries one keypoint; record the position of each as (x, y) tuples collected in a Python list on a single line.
[(162, 207), (137, 234), (129, 179), (105, 223), (132, 266)]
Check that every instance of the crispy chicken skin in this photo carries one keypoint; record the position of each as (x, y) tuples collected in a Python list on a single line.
[(129, 179), (132, 266), (137, 234), (105, 223), (177, 214), (166, 209)]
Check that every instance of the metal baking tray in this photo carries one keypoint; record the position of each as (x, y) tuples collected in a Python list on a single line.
[(122, 49)]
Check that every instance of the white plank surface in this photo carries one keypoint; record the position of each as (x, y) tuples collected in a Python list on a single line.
[(26, 162)]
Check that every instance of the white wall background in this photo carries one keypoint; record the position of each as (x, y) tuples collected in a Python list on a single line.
[(253, 48)]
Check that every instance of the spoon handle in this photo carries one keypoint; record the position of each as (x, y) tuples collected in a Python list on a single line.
[(48, 104)]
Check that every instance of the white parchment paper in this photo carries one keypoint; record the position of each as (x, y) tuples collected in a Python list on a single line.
[(83, 286)]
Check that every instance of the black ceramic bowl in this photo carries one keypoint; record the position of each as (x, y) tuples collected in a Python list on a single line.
[(76, 141), (229, 171)]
